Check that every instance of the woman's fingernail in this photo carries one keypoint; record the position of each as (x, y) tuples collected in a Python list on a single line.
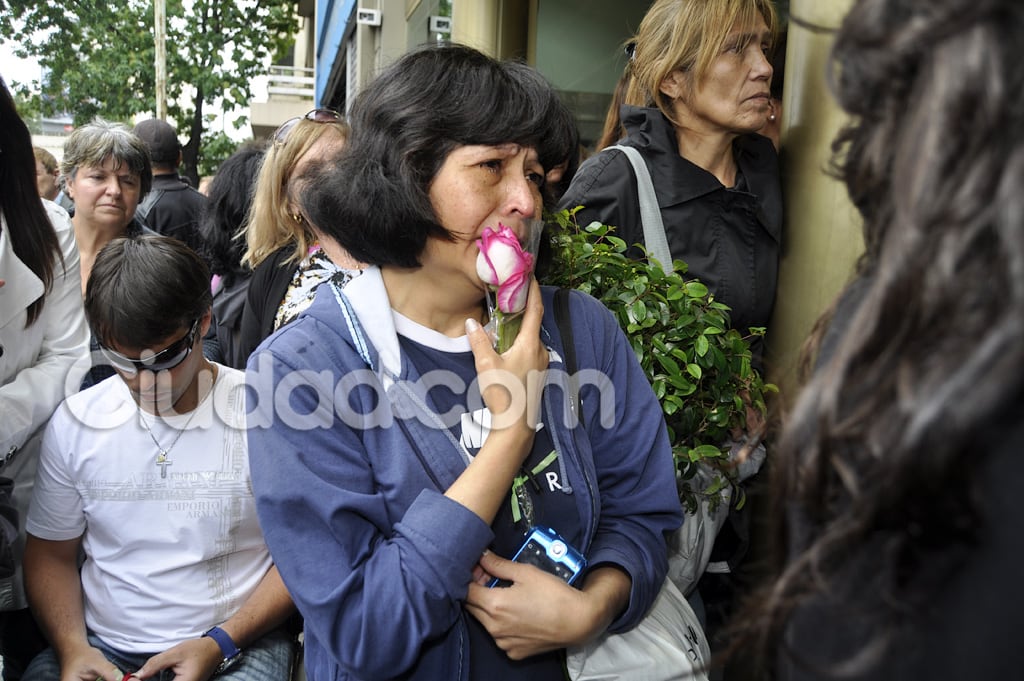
[(472, 325)]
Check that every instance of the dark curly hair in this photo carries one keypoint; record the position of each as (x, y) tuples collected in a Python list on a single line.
[(872, 464)]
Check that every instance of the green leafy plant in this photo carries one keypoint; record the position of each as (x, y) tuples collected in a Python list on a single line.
[(699, 367)]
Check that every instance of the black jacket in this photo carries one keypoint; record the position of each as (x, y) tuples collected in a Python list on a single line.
[(8, 528), (173, 208), (729, 238), (222, 342), (267, 287)]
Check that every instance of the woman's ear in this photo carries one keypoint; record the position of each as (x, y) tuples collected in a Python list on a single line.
[(205, 321), (674, 85)]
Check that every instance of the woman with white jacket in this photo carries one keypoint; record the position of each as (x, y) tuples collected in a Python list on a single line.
[(44, 345)]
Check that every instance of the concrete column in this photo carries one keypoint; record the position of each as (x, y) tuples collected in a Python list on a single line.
[(475, 23), (822, 238)]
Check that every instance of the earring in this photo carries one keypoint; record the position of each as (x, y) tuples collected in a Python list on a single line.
[(297, 217), (771, 109)]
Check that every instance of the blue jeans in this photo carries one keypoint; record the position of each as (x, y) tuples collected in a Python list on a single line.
[(268, 659)]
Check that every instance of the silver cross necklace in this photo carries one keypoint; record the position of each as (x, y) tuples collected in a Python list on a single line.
[(162, 459)]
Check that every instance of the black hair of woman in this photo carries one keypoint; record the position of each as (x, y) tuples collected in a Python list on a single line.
[(229, 198), (402, 132), (29, 229), (779, 64)]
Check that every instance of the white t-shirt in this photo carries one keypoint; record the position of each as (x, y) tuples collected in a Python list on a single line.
[(166, 558)]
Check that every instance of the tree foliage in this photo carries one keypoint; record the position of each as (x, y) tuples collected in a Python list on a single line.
[(100, 58)]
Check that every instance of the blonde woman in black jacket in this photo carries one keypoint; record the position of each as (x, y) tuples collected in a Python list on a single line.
[(698, 92)]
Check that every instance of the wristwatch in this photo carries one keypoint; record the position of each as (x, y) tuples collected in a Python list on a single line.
[(232, 653)]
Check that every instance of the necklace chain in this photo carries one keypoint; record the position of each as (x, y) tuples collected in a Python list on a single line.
[(162, 454)]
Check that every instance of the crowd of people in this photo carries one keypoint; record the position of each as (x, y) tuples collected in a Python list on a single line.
[(267, 425)]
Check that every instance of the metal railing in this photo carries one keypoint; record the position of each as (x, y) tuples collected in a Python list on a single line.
[(291, 81)]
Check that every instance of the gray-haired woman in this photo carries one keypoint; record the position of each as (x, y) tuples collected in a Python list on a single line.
[(108, 172)]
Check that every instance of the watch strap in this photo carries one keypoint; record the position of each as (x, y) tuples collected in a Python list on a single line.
[(226, 643)]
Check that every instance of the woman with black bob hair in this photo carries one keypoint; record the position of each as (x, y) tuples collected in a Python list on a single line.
[(900, 465), (372, 438), (407, 132)]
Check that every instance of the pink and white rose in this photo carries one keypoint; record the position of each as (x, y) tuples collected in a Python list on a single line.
[(505, 266)]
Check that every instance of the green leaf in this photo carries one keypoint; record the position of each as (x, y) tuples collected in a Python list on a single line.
[(637, 311), (706, 452), (678, 382), (701, 345), (741, 498), (716, 485), (695, 371), (671, 404), (695, 289), (668, 364)]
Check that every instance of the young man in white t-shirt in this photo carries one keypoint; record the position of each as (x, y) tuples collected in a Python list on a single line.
[(146, 476)]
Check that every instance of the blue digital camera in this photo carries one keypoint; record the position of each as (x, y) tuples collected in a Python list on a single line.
[(548, 551)]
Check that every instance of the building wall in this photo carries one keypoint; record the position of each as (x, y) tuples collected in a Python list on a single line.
[(579, 47), (584, 63), (579, 42), (418, 24), (333, 27), (288, 94)]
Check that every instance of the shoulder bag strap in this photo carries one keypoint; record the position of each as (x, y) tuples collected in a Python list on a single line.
[(142, 212), (654, 229), (564, 322)]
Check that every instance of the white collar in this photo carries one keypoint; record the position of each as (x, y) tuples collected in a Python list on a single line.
[(369, 299)]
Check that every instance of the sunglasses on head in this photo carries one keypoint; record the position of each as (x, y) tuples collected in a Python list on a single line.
[(317, 115), (168, 358)]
